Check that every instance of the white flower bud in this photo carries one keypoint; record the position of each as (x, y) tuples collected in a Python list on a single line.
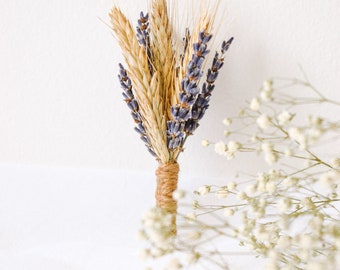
[(284, 117), (227, 121), (228, 212), (178, 194), (220, 148), (205, 143), (204, 190), (335, 162), (231, 185), (255, 104), (263, 121)]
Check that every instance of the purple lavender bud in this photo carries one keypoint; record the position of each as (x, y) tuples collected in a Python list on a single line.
[(193, 90), (217, 62), (183, 113), (186, 98), (195, 113), (151, 151), (195, 74), (133, 105), (190, 126), (122, 70), (204, 37), (174, 111), (136, 117), (128, 95), (145, 139), (211, 76), (171, 144), (174, 127), (226, 44), (138, 131), (201, 101), (177, 142), (144, 18)]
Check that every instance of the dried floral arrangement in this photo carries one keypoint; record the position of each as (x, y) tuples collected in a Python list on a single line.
[(288, 214), (164, 85)]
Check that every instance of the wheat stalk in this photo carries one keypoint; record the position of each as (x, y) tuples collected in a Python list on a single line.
[(148, 100), (162, 51)]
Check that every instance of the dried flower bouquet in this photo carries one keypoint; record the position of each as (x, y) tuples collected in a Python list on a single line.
[(162, 85)]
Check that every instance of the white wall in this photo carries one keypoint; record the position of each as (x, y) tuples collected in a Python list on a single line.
[(61, 102), (61, 105)]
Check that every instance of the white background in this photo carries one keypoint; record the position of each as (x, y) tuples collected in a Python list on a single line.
[(75, 178)]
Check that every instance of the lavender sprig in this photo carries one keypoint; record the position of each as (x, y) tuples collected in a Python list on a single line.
[(182, 125), (143, 36), (201, 103), (132, 103)]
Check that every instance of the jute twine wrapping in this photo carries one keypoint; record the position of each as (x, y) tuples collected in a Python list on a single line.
[(167, 178)]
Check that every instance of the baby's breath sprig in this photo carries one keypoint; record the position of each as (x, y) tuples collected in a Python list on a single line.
[(289, 214)]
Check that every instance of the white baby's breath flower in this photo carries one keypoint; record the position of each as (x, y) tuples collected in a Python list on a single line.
[(231, 185), (226, 133), (191, 217), (268, 85), (271, 187), (194, 235), (283, 205), (251, 189), (222, 193), (205, 143), (220, 148), (288, 152), (329, 179), (290, 181), (307, 203), (284, 117), (232, 148), (267, 147), (193, 257), (174, 264), (297, 135), (228, 212), (271, 157), (314, 121), (255, 104), (227, 121), (267, 91), (263, 121), (204, 190), (335, 162), (242, 195), (178, 194)]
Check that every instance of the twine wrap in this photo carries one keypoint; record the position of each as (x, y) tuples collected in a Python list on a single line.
[(167, 178)]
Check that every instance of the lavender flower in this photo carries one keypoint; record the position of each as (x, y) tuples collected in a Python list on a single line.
[(193, 100), (143, 36), (182, 113), (132, 103), (201, 103)]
